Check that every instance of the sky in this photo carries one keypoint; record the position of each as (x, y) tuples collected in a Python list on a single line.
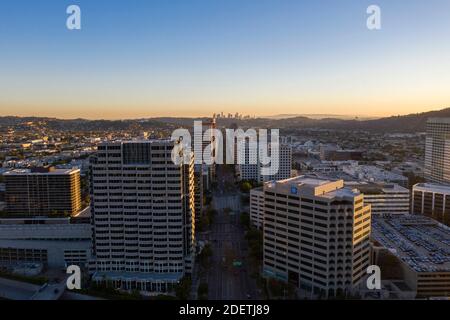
[(148, 58)]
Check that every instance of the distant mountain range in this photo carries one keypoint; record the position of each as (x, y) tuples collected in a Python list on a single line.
[(321, 116), (408, 123), (82, 124)]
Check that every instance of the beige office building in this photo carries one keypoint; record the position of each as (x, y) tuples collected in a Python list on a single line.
[(42, 192), (316, 235)]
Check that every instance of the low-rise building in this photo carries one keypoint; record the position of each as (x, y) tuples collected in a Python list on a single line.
[(54, 242), (374, 174), (432, 200), (384, 198)]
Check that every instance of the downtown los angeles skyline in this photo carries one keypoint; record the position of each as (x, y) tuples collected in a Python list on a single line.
[(139, 59)]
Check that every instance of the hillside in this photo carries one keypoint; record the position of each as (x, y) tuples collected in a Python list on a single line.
[(408, 123)]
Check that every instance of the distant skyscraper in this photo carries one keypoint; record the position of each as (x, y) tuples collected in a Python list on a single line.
[(437, 150), (316, 235), (42, 191), (143, 215)]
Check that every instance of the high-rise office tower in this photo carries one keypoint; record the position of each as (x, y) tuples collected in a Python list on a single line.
[(143, 215), (316, 235), (42, 191), (437, 151), (282, 164), (246, 158), (251, 168)]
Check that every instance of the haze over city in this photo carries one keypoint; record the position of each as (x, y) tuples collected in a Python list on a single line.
[(193, 58)]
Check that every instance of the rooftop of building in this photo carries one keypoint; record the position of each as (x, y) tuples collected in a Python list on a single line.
[(366, 187), (439, 120), (138, 276), (332, 175), (33, 171), (257, 190), (376, 187), (433, 187), (304, 180), (420, 242), (137, 140), (313, 186), (372, 173), (85, 213)]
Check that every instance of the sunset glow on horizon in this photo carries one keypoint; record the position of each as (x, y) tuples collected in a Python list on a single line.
[(145, 59)]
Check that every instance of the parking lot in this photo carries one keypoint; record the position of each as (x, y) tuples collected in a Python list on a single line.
[(418, 241)]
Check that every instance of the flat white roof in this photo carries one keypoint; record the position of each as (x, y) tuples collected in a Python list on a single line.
[(311, 181), (314, 186)]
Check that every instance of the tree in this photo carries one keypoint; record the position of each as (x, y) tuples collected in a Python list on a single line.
[(210, 213), (207, 200), (204, 255), (413, 179), (202, 291), (246, 186), (204, 222), (255, 243), (245, 199), (245, 220), (183, 288)]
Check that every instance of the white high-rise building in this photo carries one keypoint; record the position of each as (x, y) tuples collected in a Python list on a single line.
[(251, 169), (283, 163), (316, 235), (437, 150), (143, 216)]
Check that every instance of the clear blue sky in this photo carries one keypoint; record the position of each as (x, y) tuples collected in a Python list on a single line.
[(140, 58)]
